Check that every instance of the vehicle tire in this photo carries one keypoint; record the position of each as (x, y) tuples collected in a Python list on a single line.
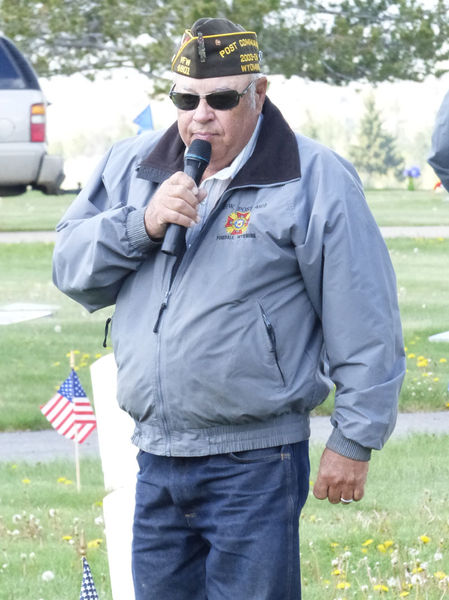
[(13, 190)]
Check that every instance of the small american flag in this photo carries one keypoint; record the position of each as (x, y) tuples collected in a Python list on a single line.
[(88, 591), (69, 410)]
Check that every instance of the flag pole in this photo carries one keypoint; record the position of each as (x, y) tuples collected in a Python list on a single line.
[(75, 441)]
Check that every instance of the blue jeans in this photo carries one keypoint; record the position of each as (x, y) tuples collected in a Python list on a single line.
[(220, 527)]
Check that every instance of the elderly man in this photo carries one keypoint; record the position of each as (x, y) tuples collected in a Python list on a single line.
[(283, 290), (439, 156)]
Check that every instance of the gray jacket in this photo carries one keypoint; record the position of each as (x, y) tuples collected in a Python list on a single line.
[(287, 292), (439, 156)]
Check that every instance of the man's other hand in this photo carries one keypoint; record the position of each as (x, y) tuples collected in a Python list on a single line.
[(175, 201), (340, 478)]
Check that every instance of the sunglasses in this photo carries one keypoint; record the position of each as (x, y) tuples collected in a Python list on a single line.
[(217, 100)]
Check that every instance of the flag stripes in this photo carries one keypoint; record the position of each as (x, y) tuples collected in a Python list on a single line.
[(69, 410)]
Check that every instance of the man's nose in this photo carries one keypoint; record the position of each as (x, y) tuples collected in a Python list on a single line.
[(203, 111)]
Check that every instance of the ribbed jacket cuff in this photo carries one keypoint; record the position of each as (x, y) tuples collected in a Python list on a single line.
[(342, 445), (136, 232)]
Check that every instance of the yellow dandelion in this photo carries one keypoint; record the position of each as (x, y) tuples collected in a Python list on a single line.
[(334, 544), (425, 539), (67, 538), (99, 503), (440, 575), (404, 594), (381, 547), (417, 570), (336, 572), (436, 379), (312, 518), (379, 587), (98, 355), (26, 481), (367, 542), (411, 355), (443, 360), (364, 550), (61, 480), (95, 543), (422, 362), (388, 544), (343, 585), (68, 482)]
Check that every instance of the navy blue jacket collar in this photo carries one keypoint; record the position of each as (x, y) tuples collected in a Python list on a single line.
[(274, 160)]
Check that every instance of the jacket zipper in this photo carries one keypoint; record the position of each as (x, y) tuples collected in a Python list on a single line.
[(161, 312), (183, 261), (270, 330), (106, 331)]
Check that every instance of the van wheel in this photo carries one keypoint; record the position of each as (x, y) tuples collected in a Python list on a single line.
[(13, 190)]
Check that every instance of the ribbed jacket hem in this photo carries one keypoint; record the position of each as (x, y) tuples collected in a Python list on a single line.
[(286, 429)]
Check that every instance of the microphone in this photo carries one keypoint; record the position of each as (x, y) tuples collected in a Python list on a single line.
[(195, 162)]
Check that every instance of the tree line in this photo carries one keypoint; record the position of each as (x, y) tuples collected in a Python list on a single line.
[(334, 41)]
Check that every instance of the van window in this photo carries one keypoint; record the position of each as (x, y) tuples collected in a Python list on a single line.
[(16, 72), (10, 77)]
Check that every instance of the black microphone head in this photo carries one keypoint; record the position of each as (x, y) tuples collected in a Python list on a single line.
[(199, 150)]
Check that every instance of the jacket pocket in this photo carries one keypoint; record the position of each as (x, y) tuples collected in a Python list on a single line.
[(272, 339)]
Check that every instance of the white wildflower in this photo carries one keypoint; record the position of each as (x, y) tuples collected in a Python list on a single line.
[(416, 579), (48, 576)]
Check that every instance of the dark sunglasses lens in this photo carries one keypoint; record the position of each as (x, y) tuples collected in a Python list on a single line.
[(223, 100), (185, 101)]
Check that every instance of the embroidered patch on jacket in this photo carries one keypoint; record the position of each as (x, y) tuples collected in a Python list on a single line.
[(237, 222)]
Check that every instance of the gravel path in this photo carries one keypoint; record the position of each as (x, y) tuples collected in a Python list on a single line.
[(35, 446), (18, 237), (424, 231)]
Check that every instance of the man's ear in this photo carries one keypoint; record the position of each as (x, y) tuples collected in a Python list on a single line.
[(261, 92)]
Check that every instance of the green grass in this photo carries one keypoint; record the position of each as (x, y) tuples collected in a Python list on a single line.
[(401, 207), (423, 288), (406, 497), (33, 354), (42, 521), (32, 211), (397, 536)]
